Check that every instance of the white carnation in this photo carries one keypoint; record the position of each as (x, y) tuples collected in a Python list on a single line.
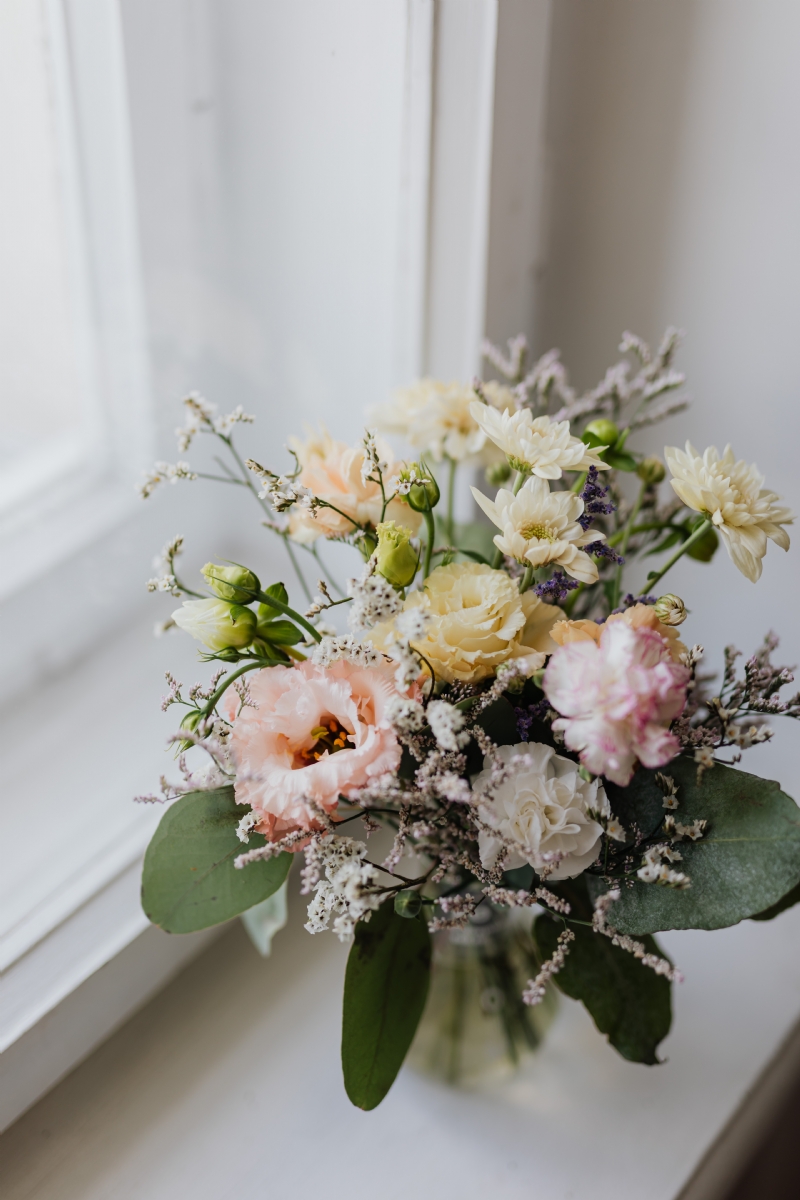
[(541, 812)]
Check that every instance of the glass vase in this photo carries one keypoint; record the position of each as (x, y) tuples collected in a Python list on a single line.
[(475, 1027)]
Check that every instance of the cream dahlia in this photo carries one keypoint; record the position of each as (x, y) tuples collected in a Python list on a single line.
[(536, 444), (616, 699), (475, 621), (331, 470), (436, 419), (540, 527), (317, 734), (544, 812), (731, 493)]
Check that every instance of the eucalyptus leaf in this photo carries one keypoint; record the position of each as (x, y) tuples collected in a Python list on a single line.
[(788, 901), (499, 722), (189, 881), (747, 862), (626, 1000), (385, 989)]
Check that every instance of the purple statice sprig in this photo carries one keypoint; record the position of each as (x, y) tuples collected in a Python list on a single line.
[(554, 589), (527, 715), (603, 550), (628, 601), (594, 500)]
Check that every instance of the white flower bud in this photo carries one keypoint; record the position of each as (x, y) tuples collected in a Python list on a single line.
[(670, 609), (216, 624)]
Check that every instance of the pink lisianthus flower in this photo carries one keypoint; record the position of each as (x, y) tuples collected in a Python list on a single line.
[(317, 734), (616, 699)]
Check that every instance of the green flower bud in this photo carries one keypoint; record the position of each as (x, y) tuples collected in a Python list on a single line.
[(218, 625), (498, 473), (235, 584), (670, 609), (366, 542), (397, 560), (651, 470), (423, 494), (407, 904), (604, 429), (705, 547)]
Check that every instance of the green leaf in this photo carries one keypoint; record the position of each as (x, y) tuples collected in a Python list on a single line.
[(189, 881), (280, 633), (626, 1000), (591, 439), (672, 539), (788, 901), (747, 862), (620, 460), (385, 988), (499, 721), (279, 591)]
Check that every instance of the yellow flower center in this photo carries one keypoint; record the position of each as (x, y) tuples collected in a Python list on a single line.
[(331, 736), (542, 532)]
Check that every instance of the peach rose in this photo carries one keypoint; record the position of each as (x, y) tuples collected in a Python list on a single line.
[(639, 616), (316, 735), (331, 470)]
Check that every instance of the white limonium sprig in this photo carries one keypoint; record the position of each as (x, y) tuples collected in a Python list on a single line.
[(347, 893), (202, 417), (164, 472), (539, 527)]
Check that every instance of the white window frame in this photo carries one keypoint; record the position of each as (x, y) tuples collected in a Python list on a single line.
[(84, 958), (86, 489)]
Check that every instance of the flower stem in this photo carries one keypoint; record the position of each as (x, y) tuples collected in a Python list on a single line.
[(654, 576), (215, 698), (426, 570), (451, 495), (624, 543), (264, 598), (527, 580)]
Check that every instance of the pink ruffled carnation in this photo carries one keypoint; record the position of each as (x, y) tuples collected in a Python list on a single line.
[(317, 734), (616, 699)]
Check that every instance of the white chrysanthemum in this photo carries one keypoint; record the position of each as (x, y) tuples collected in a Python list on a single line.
[(545, 808), (540, 527), (545, 448), (731, 493), (435, 418)]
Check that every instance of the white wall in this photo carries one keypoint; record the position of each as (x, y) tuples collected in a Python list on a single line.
[(674, 198)]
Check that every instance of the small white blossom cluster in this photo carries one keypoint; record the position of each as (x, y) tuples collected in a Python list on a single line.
[(282, 490), (372, 467), (523, 899), (677, 831), (374, 600), (656, 868), (402, 484), (600, 925), (410, 624), (348, 647), (447, 725), (201, 417), (407, 716), (344, 894), (537, 988), (667, 785), (164, 473), (165, 581)]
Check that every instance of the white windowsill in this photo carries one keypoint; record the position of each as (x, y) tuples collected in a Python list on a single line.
[(74, 754)]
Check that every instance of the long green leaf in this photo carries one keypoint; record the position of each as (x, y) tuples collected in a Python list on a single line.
[(189, 881), (746, 863), (385, 988), (626, 1000)]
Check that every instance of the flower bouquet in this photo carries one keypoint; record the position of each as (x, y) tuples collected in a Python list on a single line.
[(485, 704)]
